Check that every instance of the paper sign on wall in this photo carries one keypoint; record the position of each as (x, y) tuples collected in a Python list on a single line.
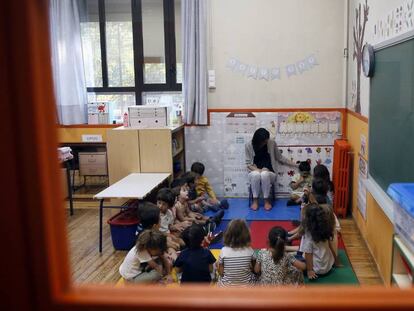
[(362, 191), (91, 138)]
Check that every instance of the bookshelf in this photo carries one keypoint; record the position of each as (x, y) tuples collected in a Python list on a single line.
[(402, 270)]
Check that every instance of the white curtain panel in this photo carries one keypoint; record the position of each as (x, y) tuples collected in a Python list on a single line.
[(195, 83), (67, 62)]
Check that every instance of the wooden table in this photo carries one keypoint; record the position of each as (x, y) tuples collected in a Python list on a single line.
[(133, 186)]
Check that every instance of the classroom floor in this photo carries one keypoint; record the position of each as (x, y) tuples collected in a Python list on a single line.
[(88, 266)]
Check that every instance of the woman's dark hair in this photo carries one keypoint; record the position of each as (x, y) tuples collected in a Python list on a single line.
[(152, 239), (319, 222), (321, 171), (193, 236), (167, 196), (198, 168), (277, 237), (148, 214), (237, 234), (304, 166), (259, 137)]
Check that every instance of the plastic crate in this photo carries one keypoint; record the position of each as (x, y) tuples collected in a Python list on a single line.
[(403, 196), (123, 229)]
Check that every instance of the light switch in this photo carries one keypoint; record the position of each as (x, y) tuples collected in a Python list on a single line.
[(212, 79)]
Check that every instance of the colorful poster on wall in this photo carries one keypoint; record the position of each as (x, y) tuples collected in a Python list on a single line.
[(308, 128), (239, 128), (314, 154), (363, 150), (362, 191)]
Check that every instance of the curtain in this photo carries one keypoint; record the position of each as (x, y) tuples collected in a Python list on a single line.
[(67, 62), (195, 84)]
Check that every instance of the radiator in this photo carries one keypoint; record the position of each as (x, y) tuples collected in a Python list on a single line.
[(341, 176)]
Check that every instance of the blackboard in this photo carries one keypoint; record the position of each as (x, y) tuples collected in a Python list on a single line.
[(391, 115)]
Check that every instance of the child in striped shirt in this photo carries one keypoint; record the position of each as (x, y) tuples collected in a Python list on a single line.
[(235, 263)]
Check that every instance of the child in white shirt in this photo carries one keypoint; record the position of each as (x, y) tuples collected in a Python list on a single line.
[(146, 261), (316, 244), (165, 202)]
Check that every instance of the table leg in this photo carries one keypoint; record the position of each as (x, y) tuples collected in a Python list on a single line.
[(100, 224), (69, 188)]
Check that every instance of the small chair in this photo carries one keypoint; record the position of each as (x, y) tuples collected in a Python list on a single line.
[(272, 196)]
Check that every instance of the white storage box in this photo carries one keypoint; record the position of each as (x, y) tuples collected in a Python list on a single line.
[(403, 196), (93, 164), (148, 116)]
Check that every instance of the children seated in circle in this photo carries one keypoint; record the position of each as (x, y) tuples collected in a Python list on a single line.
[(172, 234)]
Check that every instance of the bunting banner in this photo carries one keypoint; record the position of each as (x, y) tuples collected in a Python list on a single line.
[(252, 71)]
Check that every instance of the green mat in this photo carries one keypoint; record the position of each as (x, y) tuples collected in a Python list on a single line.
[(342, 275)]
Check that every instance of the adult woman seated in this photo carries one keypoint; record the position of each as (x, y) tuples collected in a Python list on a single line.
[(262, 155)]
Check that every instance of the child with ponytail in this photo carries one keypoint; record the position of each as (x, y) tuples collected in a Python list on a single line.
[(275, 266)]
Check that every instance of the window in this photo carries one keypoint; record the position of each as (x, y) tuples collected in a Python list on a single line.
[(130, 47), (91, 46), (119, 43), (153, 34), (178, 60)]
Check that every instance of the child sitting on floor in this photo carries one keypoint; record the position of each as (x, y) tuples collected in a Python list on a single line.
[(183, 207), (236, 259), (146, 262), (204, 191), (317, 194), (165, 201), (316, 243), (322, 172), (149, 217), (195, 262), (274, 265), (299, 182)]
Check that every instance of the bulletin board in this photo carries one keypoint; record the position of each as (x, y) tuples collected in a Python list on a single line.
[(221, 145)]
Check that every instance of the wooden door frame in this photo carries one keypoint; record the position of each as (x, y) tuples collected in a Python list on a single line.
[(36, 271)]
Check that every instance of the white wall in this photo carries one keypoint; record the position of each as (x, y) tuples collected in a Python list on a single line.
[(277, 33), (379, 10)]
